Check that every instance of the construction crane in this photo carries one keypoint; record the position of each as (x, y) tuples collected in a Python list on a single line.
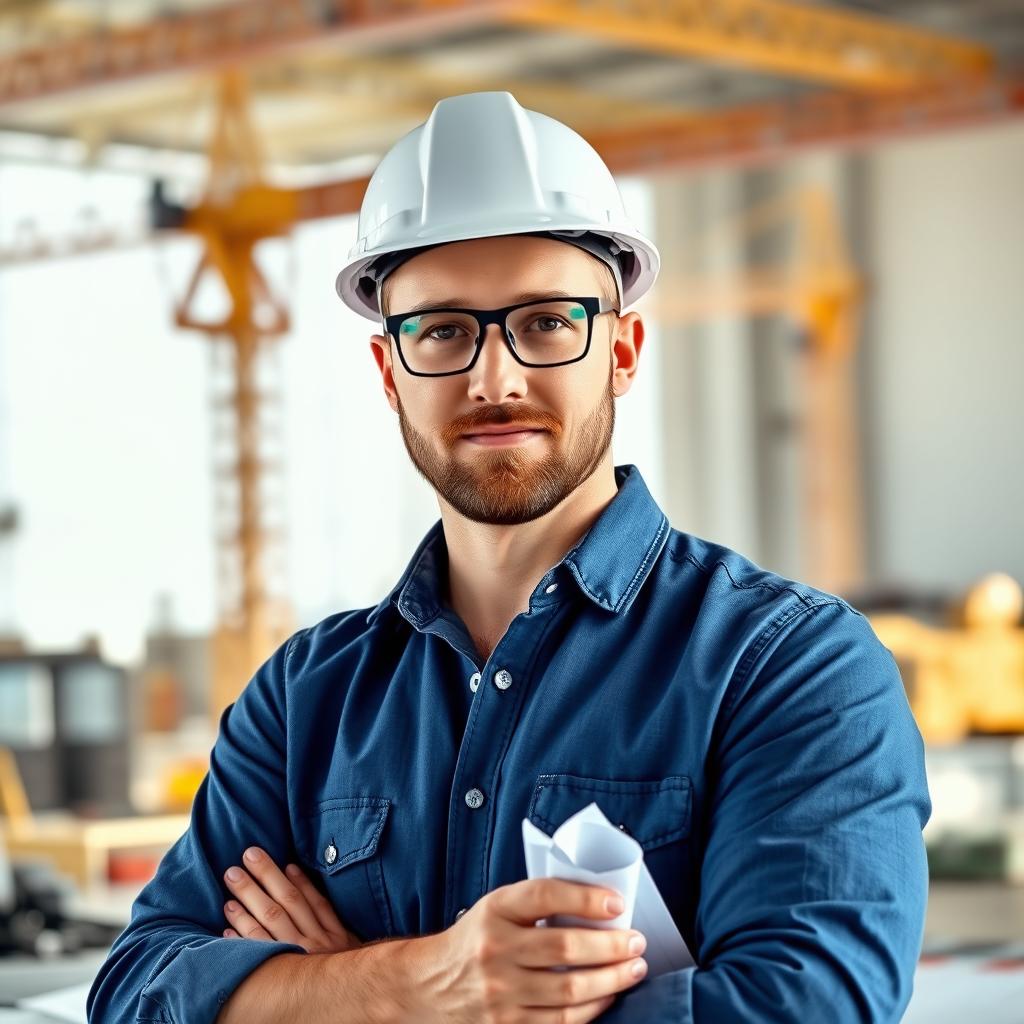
[(252, 618)]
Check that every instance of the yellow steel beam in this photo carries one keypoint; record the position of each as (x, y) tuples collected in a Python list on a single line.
[(768, 132), (225, 35), (769, 36), (419, 86), (339, 108), (428, 80)]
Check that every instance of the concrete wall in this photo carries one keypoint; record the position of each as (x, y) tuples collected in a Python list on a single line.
[(936, 226), (945, 245)]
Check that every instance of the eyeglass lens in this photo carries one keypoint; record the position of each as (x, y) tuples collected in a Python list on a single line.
[(542, 333)]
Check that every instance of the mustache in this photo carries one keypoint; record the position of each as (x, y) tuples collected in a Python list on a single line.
[(505, 415)]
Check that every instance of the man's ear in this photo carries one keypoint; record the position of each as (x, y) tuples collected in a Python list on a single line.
[(380, 345), (626, 345)]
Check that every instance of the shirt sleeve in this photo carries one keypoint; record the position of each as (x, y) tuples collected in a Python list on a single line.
[(172, 963), (814, 881)]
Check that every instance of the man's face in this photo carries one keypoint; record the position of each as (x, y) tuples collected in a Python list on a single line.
[(565, 414)]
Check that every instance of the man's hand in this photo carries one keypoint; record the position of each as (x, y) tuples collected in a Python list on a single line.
[(494, 964), (289, 909)]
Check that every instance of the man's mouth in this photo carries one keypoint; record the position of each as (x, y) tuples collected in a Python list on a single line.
[(504, 435)]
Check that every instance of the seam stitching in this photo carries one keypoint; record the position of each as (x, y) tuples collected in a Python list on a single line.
[(808, 602), (165, 958), (772, 630), (290, 649), (643, 565)]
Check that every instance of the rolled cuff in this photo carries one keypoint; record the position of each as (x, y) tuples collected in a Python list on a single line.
[(198, 977)]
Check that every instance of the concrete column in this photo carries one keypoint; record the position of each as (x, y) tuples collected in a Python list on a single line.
[(706, 378)]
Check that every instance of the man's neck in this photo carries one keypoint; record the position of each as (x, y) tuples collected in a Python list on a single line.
[(493, 570)]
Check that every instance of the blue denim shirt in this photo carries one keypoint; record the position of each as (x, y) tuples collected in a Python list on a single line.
[(749, 731)]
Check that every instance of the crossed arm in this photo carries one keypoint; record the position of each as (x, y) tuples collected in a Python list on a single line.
[(285, 906)]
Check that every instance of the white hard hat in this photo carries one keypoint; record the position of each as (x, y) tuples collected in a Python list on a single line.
[(481, 165)]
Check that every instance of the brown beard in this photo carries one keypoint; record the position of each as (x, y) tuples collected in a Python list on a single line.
[(506, 486)]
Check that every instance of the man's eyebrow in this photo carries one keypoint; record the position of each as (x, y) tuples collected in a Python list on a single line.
[(464, 304)]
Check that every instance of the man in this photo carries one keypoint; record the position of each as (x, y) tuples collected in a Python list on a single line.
[(552, 642)]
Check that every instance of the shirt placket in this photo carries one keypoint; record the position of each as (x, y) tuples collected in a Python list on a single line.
[(500, 687)]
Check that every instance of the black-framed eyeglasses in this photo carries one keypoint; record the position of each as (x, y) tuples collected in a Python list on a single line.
[(543, 332)]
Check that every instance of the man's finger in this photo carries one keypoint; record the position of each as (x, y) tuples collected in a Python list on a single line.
[(243, 922), (283, 891), (320, 906), (527, 901), (268, 912)]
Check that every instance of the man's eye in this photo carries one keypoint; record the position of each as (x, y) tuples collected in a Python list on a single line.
[(553, 320), (432, 333)]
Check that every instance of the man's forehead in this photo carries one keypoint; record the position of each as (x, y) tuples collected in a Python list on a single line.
[(461, 302), (495, 274)]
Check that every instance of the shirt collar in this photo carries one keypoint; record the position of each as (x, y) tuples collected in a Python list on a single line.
[(616, 554), (609, 563)]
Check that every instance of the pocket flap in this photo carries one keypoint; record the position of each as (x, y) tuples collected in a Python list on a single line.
[(653, 812), (344, 830)]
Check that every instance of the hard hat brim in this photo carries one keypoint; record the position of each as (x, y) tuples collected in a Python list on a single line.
[(363, 300)]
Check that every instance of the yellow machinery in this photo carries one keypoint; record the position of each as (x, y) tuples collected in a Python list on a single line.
[(969, 676), (77, 847), (181, 782)]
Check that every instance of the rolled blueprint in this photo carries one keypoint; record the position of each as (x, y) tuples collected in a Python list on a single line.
[(587, 847)]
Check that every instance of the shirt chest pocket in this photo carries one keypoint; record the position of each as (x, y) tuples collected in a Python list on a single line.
[(654, 813), (340, 843)]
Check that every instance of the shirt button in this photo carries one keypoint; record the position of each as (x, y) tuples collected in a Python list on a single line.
[(474, 798), (460, 913), (331, 854), (474, 681), (551, 589), (502, 679)]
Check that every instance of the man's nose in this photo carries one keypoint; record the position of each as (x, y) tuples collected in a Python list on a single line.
[(496, 375)]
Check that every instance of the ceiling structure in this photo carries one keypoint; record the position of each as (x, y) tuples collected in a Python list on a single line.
[(335, 82)]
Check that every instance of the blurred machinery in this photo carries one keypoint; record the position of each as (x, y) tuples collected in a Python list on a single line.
[(64, 770), (90, 852), (965, 676), (35, 912), (65, 719), (38, 911), (181, 781), (962, 663)]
